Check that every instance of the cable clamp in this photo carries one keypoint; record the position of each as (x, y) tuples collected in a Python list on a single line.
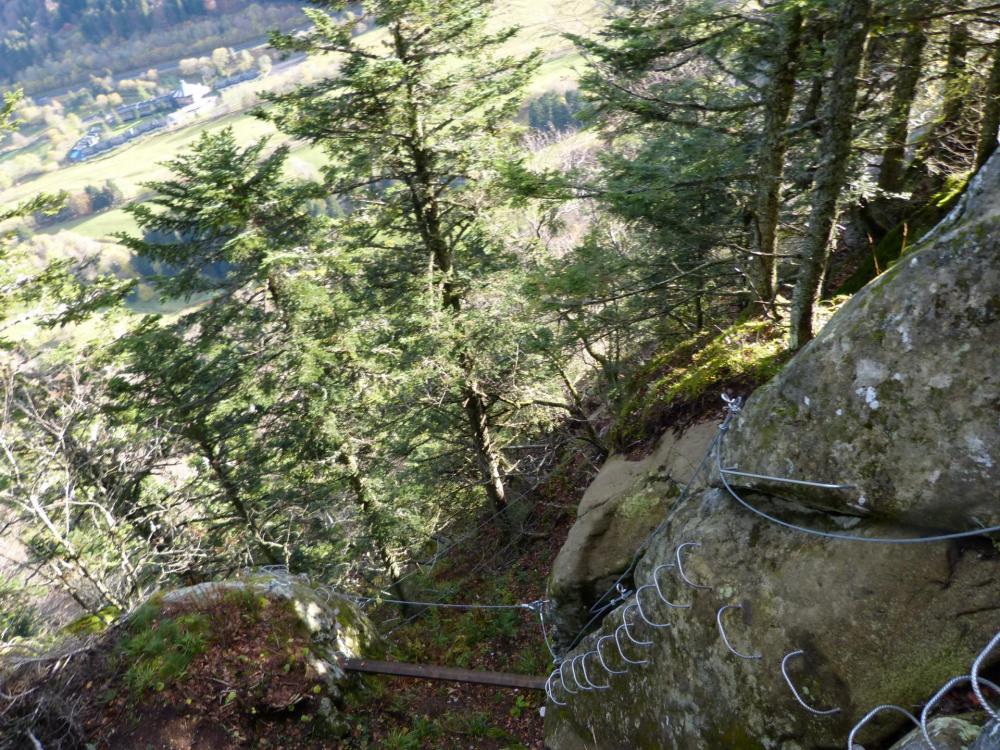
[(734, 404)]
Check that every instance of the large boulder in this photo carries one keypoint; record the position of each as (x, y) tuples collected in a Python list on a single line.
[(624, 503), (898, 396), (900, 393)]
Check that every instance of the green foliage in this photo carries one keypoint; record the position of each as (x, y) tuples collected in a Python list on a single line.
[(416, 128), (424, 728), (521, 704), (555, 111), (359, 360), (17, 617), (158, 648), (753, 350)]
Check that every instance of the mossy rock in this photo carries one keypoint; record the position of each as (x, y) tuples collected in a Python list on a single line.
[(670, 390), (903, 238), (946, 732), (897, 397), (873, 622), (898, 394), (273, 642)]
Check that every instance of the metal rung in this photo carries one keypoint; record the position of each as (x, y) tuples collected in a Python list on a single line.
[(451, 674), (821, 485)]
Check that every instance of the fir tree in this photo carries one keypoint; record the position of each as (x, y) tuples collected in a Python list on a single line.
[(414, 125)]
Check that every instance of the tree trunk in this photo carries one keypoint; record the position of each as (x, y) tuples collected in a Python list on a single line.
[(955, 83), (944, 149), (428, 214), (390, 565), (486, 454), (991, 112), (904, 89), (771, 164), (232, 494), (835, 149), (814, 45)]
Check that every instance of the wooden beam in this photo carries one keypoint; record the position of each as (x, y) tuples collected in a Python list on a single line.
[(452, 674)]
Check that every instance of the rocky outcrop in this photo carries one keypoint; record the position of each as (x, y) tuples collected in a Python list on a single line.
[(898, 397), (335, 626), (901, 392), (207, 666), (946, 732), (623, 504)]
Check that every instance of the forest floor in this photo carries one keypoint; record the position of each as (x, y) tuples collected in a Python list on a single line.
[(398, 712), (242, 686)]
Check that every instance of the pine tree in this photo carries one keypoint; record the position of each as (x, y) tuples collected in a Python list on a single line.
[(831, 174), (258, 381), (414, 125)]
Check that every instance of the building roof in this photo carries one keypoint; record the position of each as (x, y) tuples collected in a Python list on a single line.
[(194, 90)]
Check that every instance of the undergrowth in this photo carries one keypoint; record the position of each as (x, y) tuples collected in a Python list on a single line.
[(906, 235), (682, 384)]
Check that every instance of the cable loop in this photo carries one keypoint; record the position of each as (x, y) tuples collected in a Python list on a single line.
[(725, 638), (976, 665), (939, 694), (798, 698), (884, 707), (830, 534), (680, 566)]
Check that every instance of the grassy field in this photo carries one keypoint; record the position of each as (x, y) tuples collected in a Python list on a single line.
[(542, 21)]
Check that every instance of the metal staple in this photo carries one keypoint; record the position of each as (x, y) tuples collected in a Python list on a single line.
[(976, 665), (680, 565), (722, 631), (938, 695), (868, 717), (788, 680)]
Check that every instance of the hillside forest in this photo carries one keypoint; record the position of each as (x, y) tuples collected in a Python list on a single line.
[(479, 294)]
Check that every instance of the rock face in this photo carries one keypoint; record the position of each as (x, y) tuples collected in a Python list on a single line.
[(898, 396), (901, 390), (946, 732), (623, 504), (336, 627)]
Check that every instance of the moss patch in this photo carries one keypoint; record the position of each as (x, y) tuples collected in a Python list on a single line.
[(93, 624), (159, 650), (902, 239), (681, 385)]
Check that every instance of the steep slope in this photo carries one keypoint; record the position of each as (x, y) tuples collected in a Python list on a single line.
[(895, 403)]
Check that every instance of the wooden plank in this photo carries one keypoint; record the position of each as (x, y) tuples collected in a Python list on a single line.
[(452, 674)]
